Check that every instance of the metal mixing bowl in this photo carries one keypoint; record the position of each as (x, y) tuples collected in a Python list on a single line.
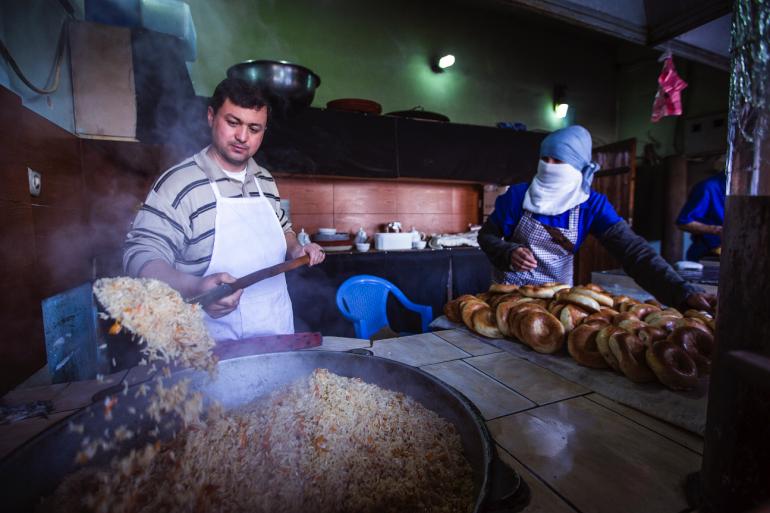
[(284, 83)]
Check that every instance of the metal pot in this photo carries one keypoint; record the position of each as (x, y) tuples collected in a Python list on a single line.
[(419, 113), (283, 83), (35, 469)]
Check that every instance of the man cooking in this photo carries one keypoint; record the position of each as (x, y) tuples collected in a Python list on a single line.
[(216, 216), (537, 228)]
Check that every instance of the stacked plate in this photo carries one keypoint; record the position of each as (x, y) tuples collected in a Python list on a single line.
[(355, 105), (330, 240)]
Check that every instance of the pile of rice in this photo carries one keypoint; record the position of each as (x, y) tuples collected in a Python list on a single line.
[(174, 333), (324, 444), (157, 314)]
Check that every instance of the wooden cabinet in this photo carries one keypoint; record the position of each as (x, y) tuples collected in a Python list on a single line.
[(328, 142), (429, 149)]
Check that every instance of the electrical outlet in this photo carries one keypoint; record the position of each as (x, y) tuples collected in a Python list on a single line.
[(35, 182)]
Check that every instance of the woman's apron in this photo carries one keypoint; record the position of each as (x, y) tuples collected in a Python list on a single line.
[(248, 237), (552, 247)]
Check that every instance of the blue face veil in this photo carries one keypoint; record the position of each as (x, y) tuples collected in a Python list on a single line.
[(573, 146)]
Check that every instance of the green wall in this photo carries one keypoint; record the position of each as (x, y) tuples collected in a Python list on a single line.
[(507, 63)]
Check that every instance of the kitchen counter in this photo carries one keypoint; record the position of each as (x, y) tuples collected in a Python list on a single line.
[(424, 276), (568, 443), (618, 282), (575, 448)]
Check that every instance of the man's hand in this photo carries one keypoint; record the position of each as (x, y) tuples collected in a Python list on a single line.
[(698, 228), (313, 250), (225, 305), (522, 259), (701, 301)]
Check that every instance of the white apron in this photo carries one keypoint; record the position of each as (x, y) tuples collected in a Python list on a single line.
[(248, 237)]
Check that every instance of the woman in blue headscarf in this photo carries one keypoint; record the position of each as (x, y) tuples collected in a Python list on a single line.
[(537, 228)]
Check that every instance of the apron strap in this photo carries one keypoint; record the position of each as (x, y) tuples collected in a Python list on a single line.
[(214, 187), (259, 189), (219, 196), (559, 238)]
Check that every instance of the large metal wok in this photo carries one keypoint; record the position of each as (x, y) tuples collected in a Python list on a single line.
[(34, 470)]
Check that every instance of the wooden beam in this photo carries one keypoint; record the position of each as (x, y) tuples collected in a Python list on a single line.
[(667, 19)]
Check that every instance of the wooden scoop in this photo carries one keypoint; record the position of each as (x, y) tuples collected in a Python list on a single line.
[(225, 289)]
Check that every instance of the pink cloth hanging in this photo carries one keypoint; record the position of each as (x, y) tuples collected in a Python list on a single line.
[(668, 100)]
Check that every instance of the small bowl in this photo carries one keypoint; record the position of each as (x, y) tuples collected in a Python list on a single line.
[(327, 231), (363, 247), (419, 244)]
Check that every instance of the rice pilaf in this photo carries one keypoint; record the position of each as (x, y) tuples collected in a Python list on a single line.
[(157, 314), (326, 443)]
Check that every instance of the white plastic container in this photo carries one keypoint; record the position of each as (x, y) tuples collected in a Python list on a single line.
[(386, 241)]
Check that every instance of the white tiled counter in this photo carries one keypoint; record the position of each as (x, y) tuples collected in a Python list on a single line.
[(576, 449)]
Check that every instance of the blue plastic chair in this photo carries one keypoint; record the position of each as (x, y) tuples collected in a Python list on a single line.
[(363, 300)]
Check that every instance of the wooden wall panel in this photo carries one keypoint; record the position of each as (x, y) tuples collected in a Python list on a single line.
[(13, 175), (354, 197), (307, 197), (434, 223), (371, 223), (91, 190), (55, 154), (618, 185), (62, 243), (17, 238), (466, 202), (429, 207), (22, 350), (63, 249), (45, 248), (168, 156), (118, 176), (312, 222), (425, 198)]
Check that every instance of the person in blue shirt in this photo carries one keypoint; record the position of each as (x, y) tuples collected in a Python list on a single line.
[(537, 228), (704, 214)]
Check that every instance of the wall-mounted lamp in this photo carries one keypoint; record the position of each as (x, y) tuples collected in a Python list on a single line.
[(439, 64), (560, 105)]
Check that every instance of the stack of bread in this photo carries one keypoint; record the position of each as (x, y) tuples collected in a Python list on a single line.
[(644, 341)]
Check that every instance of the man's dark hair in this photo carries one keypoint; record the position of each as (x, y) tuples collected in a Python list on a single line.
[(239, 92)]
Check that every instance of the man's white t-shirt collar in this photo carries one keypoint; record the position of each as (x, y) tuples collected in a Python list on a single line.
[(235, 175)]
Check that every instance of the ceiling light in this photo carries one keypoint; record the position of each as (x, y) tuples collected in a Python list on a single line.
[(439, 64), (446, 61), (560, 105)]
